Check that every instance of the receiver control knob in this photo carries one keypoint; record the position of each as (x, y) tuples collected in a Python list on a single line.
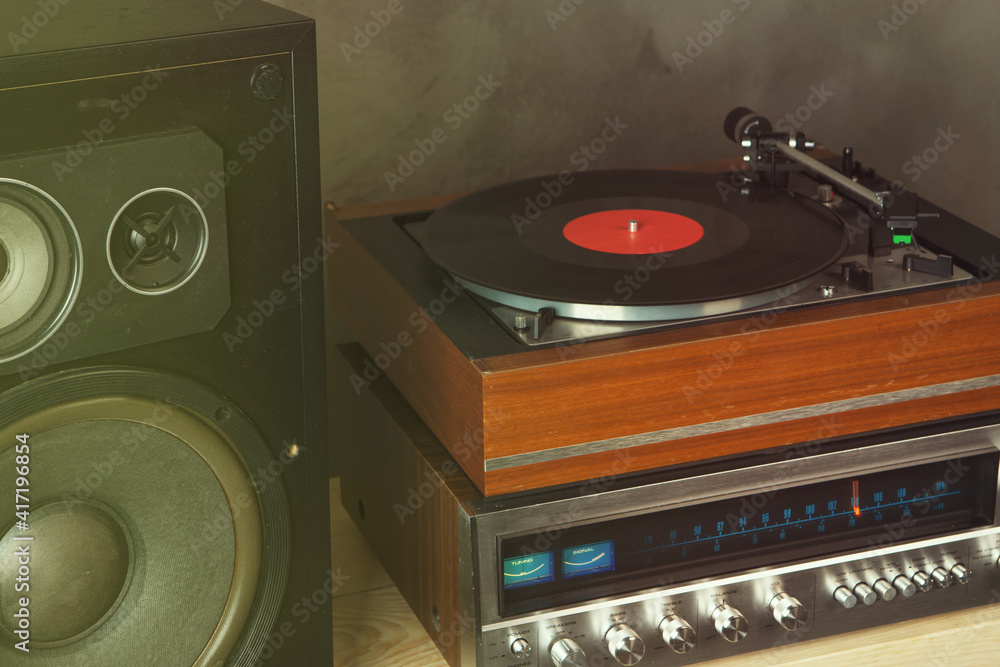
[(904, 586), (625, 644), (520, 648), (884, 590), (961, 573), (845, 597), (941, 577), (730, 623), (788, 611), (678, 633), (922, 581), (567, 653), (865, 593)]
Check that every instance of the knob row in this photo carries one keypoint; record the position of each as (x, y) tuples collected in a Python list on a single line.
[(627, 647), (882, 588)]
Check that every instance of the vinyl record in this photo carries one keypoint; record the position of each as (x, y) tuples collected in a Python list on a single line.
[(642, 245)]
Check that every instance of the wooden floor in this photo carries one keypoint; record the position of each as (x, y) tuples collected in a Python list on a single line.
[(373, 626)]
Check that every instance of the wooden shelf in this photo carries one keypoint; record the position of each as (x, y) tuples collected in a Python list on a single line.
[(374, 627)]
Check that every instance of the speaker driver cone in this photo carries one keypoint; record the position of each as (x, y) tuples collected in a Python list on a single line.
[(152, 542), (41, 265), (158, 241)]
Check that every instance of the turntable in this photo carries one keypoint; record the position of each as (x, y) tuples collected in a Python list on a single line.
[(585, 324)]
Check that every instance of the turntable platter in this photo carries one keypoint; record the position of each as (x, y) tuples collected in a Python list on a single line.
[(634, 244)]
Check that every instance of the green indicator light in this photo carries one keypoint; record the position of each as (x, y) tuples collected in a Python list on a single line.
[(902, 238)]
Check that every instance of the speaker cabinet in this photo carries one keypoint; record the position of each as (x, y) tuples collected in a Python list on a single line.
[(163, 455)]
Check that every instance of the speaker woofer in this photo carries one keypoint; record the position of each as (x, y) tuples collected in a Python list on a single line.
[(153, 543), (41, 265)]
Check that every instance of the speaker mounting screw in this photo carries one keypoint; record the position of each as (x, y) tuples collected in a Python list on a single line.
[(292, 451), (223, 414), (266, 82)]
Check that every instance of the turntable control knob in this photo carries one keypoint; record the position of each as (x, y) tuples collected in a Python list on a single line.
[(922, 581), (845, 597), (730, 623), (824, 193), (961, 573), (678, 633), (865, 593), (625, 644), (788, 611), (904, 586), (567, 653), (941, 577), (884, 590), (520, 648)]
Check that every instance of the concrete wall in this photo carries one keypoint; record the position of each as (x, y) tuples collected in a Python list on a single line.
[(894, 76)]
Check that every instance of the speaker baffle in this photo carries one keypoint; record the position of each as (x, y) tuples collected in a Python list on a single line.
[(158, 241), (154, 540), (41, 267)]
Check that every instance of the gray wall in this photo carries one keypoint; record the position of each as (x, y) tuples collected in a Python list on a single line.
[(890, 88)]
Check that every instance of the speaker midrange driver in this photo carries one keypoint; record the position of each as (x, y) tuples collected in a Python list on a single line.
[(41, 265)]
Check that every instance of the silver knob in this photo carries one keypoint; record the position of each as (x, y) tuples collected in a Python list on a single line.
[(903, 584), (941, 577), (730, 623), (845, 597), (824, 193), (520, 648), (922, 581), (865, 593), (961, 573), (567, 653), (678, 634), (885, 590), (788, 611), (625, 644)]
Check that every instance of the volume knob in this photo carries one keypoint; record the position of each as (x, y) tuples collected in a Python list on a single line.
[(625, 644), (567, 653), (730, 623), (678, 633), (788, 611)]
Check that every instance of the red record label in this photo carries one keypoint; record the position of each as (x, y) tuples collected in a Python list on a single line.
[(633, 231)]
